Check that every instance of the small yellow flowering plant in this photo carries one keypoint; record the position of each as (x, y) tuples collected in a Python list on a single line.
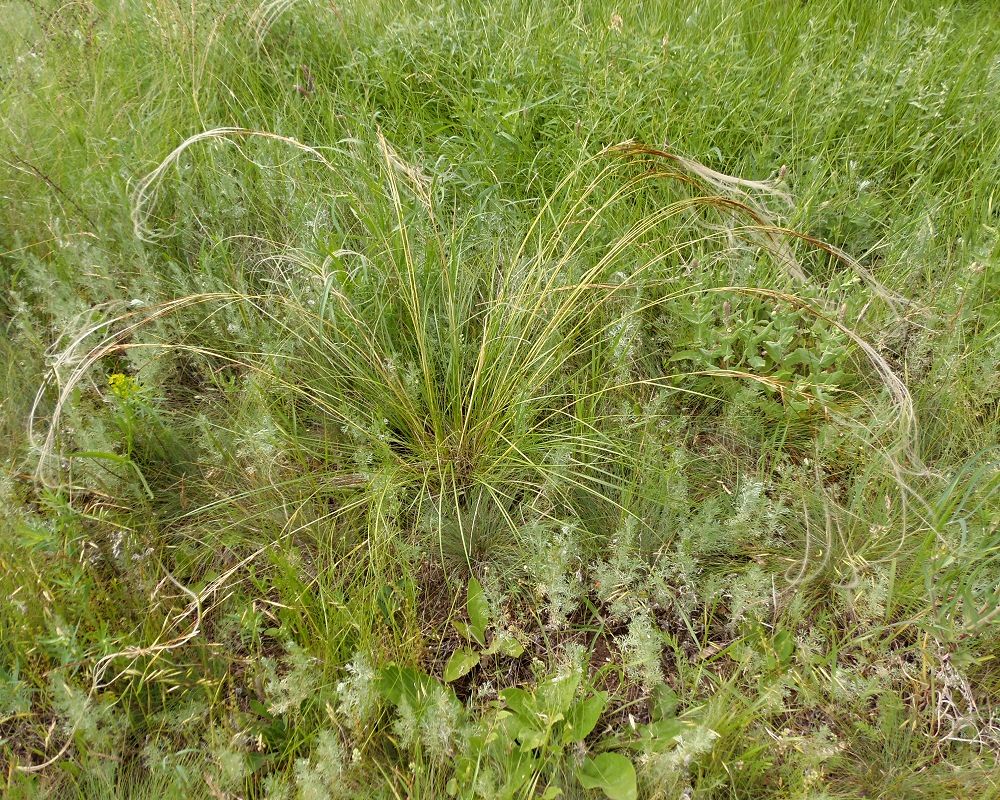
[(137, 417), (123, 386)]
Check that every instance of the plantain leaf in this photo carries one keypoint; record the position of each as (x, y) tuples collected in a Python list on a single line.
[(479, 613), (459, 664), (612, 773), (582, 717)]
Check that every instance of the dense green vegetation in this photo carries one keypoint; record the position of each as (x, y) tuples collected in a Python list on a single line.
[(499, 400)]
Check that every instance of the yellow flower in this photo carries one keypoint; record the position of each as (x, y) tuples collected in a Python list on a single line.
[(123, 386)]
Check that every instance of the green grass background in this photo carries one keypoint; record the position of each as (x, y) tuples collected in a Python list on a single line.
[(458, 338)]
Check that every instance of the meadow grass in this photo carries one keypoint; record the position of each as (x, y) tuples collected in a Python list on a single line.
[(499, 399)]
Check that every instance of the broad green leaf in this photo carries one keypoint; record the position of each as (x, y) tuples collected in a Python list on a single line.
[(459, 664), (774, 350), (784, 646), (526, 723), (395, 682), (799, 356), (664, 702), (505, 644), (479, 614), (555, 694), (612, 773), (512, 647), (582, 717), (661, 735), (531, 737), (520, 702)]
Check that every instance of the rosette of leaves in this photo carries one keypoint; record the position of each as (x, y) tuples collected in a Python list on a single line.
[(529, 733), (793, 353), (474, 632)]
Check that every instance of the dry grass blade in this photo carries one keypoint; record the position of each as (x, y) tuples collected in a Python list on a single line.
[(145, 191)]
